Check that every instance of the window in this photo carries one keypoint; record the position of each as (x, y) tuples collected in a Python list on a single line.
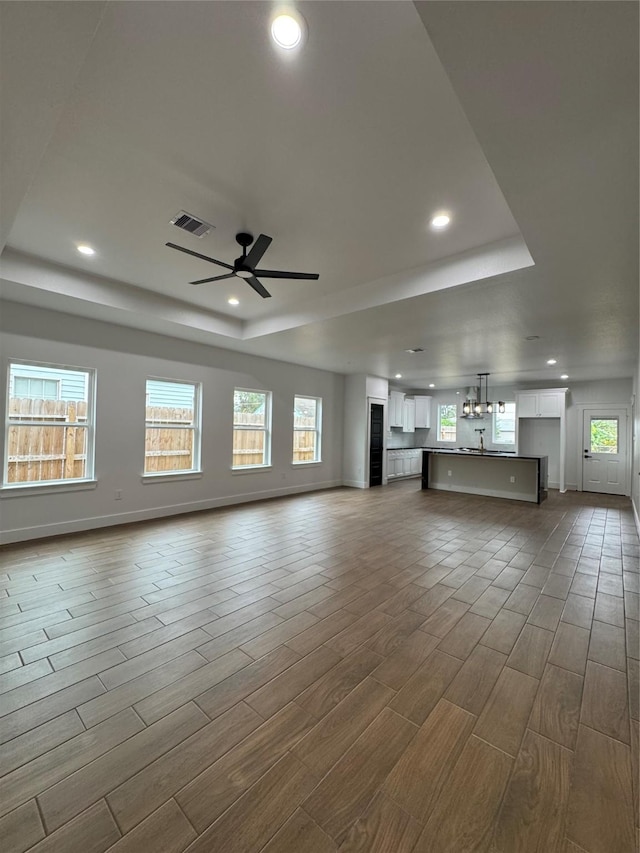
[(447, 422), (604, 435), (50, 425), (504, 425), (36, 388), (172, 434), (307, 420), (251, 428)]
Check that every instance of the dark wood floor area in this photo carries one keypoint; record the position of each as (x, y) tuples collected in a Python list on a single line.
[(387, 670)]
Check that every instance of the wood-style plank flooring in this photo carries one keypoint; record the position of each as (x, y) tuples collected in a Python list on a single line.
[(387, 670)]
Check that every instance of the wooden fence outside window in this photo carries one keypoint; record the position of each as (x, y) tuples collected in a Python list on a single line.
[(47, 440), (53, 450)]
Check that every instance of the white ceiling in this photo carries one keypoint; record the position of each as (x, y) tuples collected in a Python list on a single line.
[(521, 119)]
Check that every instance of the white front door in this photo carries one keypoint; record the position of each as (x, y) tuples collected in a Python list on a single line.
[(604, 456)]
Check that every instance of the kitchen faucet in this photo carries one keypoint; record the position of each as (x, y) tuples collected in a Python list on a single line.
[(481, 431)]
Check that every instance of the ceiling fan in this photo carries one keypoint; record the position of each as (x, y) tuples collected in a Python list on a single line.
[(245, 266)]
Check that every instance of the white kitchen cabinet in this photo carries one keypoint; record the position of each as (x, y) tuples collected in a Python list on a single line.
[(396, 408), (546, 403), (403, 463), (409, 416), (423, 412)]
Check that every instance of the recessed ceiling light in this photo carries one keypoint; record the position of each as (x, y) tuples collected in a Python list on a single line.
[(552, 361), (398, 376), (564, 376), (431, 385), (86, 250), (286, 32), (233, 301), (440, 221)]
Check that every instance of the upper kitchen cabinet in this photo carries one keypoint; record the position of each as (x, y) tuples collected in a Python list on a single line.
[(396, 409), (409, 419), (545, 403), (423, 412)]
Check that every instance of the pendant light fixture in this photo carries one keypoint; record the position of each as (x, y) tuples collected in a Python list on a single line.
[(480, 405)]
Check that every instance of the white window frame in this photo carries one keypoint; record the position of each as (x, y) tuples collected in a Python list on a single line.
[(89, 425), (317, 430), (255, 428), (195, 427), (494, 436), (455, 408)]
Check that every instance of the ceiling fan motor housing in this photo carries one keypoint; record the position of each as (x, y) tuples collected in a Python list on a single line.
[(244, 239)]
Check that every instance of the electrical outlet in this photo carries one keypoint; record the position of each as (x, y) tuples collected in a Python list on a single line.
[(512, 479), (118, 495), (448, 473)]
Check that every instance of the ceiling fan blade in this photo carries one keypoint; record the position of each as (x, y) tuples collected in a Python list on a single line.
[(198, 255), (257, 250), (255, 284), (215, 278), (314, 276)]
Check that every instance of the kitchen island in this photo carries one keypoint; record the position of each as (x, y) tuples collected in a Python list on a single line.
[(493, 473)]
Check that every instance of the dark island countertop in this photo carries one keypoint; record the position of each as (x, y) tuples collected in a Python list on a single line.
[(461, 451), (473, 451)]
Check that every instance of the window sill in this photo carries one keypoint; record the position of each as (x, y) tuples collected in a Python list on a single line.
[(251, 469), (146, 479), (306, 464), (15, 491)]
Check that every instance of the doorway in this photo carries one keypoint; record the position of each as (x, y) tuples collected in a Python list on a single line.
[(376, 444), (605, 451)]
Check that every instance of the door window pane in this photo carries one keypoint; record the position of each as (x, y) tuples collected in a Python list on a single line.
[(604, 435)]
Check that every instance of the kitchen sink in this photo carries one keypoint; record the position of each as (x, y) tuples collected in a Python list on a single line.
[(470, 449)]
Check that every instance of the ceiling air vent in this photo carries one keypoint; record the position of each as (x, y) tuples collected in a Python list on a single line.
[(415, 349), (187, 222)]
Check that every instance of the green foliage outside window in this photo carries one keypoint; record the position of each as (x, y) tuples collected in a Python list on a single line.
[(604, 436), (248, 402), (447, 417)]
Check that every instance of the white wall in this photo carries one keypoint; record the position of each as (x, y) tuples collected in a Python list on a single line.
[(635, 470), (123, 359), (358, 388), (542, 436), (355, 430)]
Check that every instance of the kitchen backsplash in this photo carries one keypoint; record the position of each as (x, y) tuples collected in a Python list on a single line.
[(466, 436), (409, 439)]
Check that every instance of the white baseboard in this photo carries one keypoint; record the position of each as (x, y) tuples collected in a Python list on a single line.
[(355, 484), (635, 515), (24, 534)]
